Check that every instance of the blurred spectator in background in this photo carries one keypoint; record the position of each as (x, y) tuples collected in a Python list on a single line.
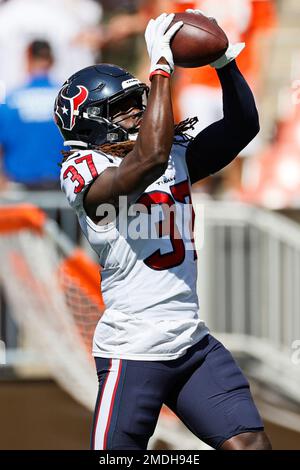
[(128, 22), (274, 174), (29, 141), (57, 21)]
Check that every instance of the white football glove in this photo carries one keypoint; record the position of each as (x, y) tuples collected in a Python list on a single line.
[(158, 41), (232, 52)]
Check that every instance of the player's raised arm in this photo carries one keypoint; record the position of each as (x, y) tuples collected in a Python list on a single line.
[(149, 158), (217, 145)]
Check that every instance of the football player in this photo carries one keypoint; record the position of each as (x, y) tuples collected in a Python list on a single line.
[(150, 346)]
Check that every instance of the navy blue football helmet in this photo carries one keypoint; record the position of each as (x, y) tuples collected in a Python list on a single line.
[(82, 107)]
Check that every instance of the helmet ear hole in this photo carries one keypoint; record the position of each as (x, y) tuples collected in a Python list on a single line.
[(93, 111), (97, 111), (85, 133)]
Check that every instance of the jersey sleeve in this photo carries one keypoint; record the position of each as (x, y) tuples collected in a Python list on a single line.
[(181, 144), (79, 171)]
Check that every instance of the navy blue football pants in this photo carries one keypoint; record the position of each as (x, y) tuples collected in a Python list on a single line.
[(205, 388)]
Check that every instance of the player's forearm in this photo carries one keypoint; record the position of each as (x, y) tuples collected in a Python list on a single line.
[(156, 134), (157, 131), (217, 145), (240, 113)]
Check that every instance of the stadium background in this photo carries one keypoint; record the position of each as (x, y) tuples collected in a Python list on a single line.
[(249, 264)]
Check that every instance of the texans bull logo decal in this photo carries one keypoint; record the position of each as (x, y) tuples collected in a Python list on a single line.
[(67, 108)]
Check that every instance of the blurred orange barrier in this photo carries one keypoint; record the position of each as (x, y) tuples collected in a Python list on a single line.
[(79, 266), (76, 278), (181, 6), (22, 216)]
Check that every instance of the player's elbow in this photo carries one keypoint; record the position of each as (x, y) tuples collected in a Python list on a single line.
[(252, 124), (161, 159), (156, 159), (156, 165), (250, 130)]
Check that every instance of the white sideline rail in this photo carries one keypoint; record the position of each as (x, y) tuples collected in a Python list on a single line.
[(249, 288)]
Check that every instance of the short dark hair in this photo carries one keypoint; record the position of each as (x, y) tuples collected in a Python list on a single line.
[(40, 49)]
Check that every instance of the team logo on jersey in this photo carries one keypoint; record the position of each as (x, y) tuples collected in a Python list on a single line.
[(67, 109)]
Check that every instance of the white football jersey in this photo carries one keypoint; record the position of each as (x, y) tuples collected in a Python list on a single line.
[(149, 267)]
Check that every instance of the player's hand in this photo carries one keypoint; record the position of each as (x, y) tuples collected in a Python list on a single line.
[(231, 54), (158, 41)]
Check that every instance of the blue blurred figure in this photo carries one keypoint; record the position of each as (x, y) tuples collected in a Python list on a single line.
[(29, 141)]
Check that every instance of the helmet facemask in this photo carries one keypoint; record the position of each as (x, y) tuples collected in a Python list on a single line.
[(102, 113)]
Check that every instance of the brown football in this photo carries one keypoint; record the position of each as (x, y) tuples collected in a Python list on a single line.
[(199, 42)]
